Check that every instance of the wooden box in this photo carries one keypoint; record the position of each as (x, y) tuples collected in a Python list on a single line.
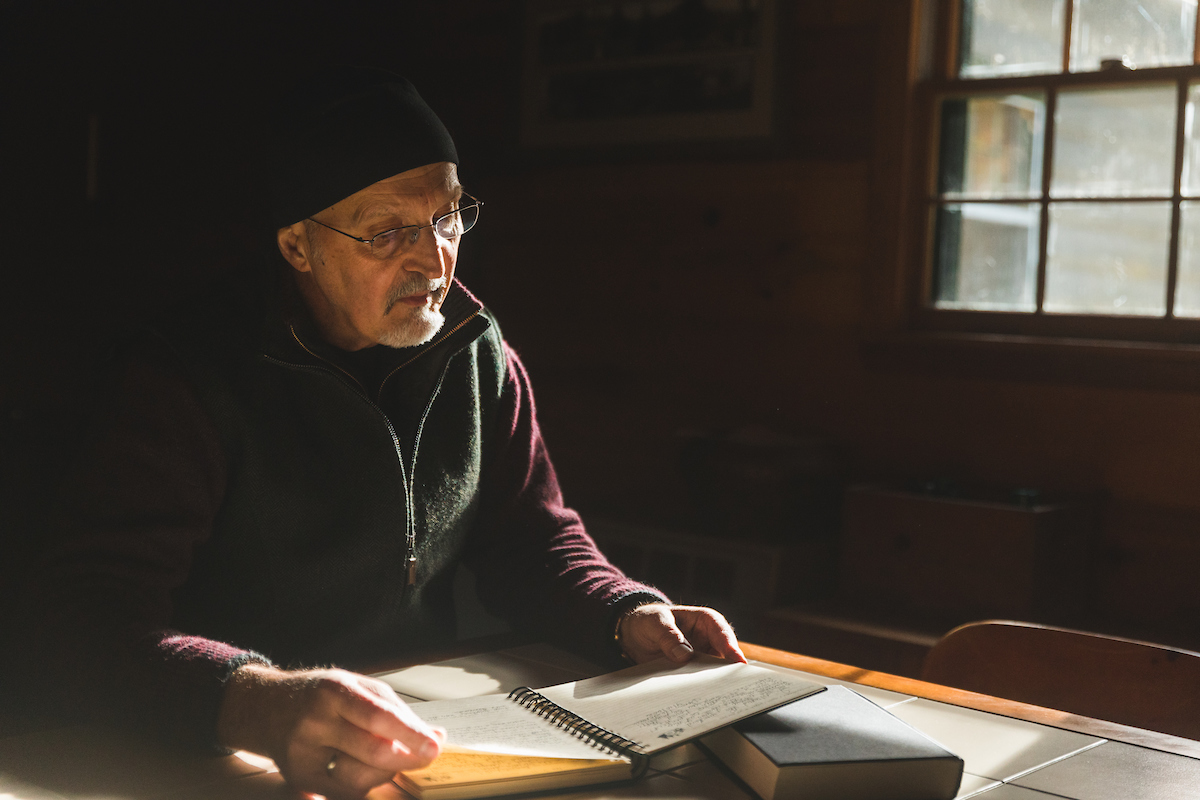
[(904, 551)]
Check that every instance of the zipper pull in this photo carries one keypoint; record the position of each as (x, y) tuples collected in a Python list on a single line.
[(412, 569)]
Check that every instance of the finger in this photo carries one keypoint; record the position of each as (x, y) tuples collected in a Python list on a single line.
[(348, 777), (389, 695), (387, 753), (666, 638), (367, 711), (382, 690), (722, 641), (382, 753), (709, 632), (649, 632)]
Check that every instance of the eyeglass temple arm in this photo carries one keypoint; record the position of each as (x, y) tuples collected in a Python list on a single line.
[(335, 230)]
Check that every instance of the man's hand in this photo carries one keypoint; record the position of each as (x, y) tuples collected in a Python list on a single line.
[(677, 632), (330, 732)]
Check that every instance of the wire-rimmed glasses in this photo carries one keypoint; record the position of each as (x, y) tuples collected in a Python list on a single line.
[(448, 226)]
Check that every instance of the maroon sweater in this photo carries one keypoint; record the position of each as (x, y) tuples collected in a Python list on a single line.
[(148, 490)]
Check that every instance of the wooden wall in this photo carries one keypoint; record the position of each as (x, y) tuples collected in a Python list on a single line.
[(650, 293), (713, 293)]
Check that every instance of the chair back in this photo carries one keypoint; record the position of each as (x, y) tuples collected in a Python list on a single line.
[(1106, 677)]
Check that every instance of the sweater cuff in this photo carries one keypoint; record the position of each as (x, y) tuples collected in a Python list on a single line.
[(241, 660), (188, 686)]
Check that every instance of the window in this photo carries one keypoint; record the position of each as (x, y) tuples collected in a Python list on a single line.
[(1064, 191)]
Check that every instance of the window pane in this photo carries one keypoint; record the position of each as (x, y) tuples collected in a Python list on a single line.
[(987, 256), (1114, 142), (1148, 33), (1011, 37), (991, 146), (1187, 282), (1191, 149), (1108, 258)]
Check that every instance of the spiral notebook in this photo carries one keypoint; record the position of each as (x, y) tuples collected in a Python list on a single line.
[(591, 731)]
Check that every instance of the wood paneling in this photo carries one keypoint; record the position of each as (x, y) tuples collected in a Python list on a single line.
[(649, 294)]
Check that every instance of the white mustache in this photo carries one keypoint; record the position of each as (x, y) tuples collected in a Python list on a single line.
[(414, 286)]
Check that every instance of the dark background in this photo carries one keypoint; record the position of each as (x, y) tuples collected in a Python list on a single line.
[(693, 316)]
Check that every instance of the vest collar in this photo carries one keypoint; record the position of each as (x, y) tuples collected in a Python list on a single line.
[(290, 333)]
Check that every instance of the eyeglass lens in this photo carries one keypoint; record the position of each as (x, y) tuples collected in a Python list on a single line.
[(449, 227)]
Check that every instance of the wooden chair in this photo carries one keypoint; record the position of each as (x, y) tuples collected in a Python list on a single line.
[(1120, 680)]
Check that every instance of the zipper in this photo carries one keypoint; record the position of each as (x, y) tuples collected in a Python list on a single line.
[(436, 342), (412, 467), (410, 533), (410, 536), (355, 380)]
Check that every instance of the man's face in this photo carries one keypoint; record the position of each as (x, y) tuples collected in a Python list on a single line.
[(358, 299)]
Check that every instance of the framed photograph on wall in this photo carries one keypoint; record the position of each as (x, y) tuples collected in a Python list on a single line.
[(630, 72)]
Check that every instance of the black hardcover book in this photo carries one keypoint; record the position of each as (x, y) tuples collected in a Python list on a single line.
[(836, 745)]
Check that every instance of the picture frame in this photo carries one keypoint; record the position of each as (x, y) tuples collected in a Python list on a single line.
[(622, 73)]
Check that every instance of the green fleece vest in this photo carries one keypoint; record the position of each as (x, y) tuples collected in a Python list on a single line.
[(332, 489)]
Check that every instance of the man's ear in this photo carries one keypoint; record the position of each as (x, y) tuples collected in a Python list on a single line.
[(293, 244)]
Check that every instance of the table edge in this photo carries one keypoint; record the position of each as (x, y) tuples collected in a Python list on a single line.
[(980, 702)]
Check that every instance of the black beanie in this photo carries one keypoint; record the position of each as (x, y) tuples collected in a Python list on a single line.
[(345, 130)]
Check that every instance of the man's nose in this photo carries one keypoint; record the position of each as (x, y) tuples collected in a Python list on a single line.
[(430, 255)]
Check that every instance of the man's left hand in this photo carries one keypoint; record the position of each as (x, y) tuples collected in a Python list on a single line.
[(655, 630)]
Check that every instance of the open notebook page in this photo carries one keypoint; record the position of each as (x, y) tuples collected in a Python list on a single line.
[(495, 724), (658, 704)]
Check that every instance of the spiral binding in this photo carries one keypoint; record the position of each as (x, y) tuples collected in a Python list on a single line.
[(577, 726)]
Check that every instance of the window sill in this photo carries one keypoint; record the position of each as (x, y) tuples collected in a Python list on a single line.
[(1097, 362)]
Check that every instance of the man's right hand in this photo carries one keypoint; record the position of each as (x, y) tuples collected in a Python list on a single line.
[(330, 731)]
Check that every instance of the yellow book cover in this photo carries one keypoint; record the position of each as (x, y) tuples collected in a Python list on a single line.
[(460, 773)]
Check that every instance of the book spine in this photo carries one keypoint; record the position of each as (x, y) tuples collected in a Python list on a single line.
[(576, 725)]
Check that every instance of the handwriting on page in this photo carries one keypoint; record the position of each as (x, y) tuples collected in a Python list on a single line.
[(700, 712), (654, 704), (498, 725)]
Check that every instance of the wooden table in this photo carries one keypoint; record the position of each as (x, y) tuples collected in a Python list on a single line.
[(1123, 763), (1012, 751), (981, 702)]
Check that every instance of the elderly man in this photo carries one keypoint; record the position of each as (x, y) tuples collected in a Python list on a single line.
[(292, 468)]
